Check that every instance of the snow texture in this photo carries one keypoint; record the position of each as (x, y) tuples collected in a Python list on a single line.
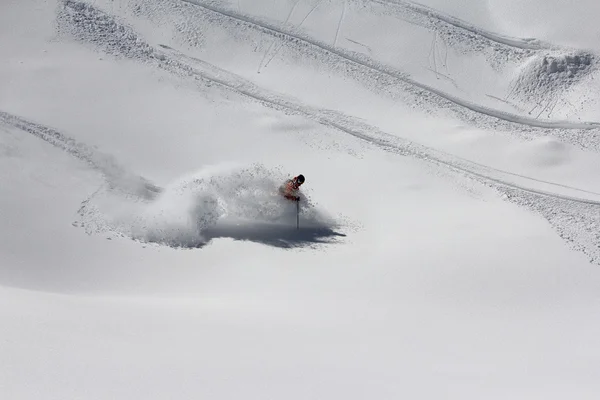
[(446, 244)]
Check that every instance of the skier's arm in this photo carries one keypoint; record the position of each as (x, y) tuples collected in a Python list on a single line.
[(286, 191)]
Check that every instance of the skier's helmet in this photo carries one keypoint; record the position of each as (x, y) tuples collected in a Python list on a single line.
[(300, 179)]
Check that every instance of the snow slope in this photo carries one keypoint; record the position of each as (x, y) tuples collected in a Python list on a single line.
[(448, 243)]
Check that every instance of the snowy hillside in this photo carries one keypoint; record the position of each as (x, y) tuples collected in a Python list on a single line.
[(448, 237)]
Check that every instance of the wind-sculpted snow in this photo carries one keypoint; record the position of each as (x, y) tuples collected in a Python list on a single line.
[(232, 201)]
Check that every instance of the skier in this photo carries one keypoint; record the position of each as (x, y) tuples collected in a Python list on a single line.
[(291, 187)]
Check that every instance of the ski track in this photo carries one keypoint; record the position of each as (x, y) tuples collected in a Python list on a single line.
[(116, 176), (348, 125), (367, 62), (576, 219), (339, 25), (524, 44)]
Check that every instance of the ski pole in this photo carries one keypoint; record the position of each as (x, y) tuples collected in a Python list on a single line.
[(298, 214)]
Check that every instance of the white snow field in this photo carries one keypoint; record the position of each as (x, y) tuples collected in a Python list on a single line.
[(448, 244)]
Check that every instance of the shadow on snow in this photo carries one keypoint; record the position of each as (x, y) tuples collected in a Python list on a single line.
[(282, 236)]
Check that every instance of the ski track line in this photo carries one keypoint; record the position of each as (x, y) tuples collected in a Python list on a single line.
[(272, 44), (525, 44), (107, 165), (524, 176), (367, 62), (573, 218), (339, 25), (53, 137), (171, 63), (386, 141)]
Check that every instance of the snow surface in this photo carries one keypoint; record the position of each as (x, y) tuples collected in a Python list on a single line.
[(449, 241)]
